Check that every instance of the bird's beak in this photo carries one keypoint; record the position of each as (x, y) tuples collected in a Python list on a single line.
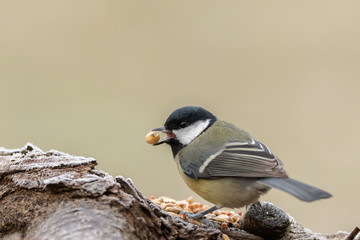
[(169, 135), (160, 129)]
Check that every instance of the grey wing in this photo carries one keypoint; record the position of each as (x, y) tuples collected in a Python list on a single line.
[(239, 159)]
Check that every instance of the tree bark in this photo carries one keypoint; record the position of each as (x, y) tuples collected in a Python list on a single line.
[(54, 195)]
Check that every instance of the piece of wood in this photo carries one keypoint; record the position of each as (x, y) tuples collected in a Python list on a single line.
[(54, 195)]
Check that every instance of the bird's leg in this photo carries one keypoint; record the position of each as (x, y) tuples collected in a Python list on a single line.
[(199, 215)]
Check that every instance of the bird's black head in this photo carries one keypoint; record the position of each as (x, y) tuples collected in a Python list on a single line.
[(186, 116), (184, 125)]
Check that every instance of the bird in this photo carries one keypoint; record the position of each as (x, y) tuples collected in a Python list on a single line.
[(224, 164)]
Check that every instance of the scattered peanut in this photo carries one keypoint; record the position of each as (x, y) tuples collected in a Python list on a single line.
[(197, 210), (173, 209), (194, 206), (152, 137), (176, 207), (190, 200), (174, 214), (221, 218), (167, 200), (235, 218), (225, 237), (182, 204), (236, 225)]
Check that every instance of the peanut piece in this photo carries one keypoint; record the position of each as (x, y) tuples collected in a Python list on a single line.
[(152, 137)]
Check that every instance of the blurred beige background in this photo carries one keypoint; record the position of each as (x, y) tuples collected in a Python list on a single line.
[(93, 77)]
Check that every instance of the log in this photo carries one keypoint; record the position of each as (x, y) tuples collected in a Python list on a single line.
[(54, 195)]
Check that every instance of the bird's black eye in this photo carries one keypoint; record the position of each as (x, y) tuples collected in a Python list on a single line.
[(183, 125)]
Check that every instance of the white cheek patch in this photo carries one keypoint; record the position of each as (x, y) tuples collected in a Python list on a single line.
[(188, 134)]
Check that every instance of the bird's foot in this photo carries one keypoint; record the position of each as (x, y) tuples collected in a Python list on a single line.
[(192, 215), (198, 217)]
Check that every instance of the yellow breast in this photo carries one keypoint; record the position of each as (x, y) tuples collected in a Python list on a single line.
[(233, 192)]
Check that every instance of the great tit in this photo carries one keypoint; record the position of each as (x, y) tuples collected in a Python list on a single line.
[(224, 164)]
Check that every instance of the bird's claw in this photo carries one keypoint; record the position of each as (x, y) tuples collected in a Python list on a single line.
[(190, 215), (208, 223)]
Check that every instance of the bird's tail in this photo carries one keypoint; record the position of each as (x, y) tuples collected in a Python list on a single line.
[(296, 188)]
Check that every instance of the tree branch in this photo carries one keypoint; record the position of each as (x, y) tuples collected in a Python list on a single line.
[(53, 195)]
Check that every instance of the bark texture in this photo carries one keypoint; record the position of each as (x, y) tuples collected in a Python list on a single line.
[(54, 195)]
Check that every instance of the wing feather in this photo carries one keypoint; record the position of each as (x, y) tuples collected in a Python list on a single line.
[(239, 159)]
